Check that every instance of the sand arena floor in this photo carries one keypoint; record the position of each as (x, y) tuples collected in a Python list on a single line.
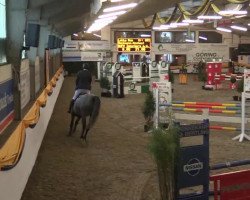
[(116, 164)]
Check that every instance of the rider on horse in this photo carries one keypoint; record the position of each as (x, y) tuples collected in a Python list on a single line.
[(83, 84)]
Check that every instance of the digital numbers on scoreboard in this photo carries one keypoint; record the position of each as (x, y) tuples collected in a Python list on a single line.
[(133, 44)]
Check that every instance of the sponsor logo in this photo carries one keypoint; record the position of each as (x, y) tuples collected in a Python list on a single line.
[(193, 167)]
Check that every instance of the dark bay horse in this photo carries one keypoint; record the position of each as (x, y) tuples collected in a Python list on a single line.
[(85, 105)]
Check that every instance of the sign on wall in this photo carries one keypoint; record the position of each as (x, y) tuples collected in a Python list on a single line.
[(25, 83), (6, 97), (133, 44), (92, 56), (195, 52)]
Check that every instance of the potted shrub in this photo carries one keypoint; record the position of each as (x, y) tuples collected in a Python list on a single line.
[(165, 148), (240, 88), (148, 111), (105, 85)]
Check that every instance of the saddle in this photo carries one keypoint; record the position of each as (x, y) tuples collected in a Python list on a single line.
[(80, 94)]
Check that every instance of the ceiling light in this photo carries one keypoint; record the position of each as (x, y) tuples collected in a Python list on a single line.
[(113, 1), (209, 17), (75, 34), (240, 16), (223, 29), (167, 26), (203, 38), (145, 35), (193, 21), (239, 28), (248, 24), (121, 7), (97, 35), (157, 28), (233, 12), (189, 40), (180, 24), (113, 14), (106, 19)]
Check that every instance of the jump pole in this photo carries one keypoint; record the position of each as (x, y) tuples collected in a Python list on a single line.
[(245, 94)]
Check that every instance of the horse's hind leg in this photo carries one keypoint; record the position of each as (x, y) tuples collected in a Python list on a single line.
[(83, 127), (76, 123), (71, 124), (87, 130)]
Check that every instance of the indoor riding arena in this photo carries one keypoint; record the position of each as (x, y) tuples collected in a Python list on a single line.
[(115, 163)]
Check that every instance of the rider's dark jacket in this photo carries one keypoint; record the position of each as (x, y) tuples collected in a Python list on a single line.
[(83, 80)]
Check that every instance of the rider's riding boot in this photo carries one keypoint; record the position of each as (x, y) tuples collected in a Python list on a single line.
[(71, 105)]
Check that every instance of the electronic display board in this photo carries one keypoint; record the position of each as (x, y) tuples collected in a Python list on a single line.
[(133, 44)]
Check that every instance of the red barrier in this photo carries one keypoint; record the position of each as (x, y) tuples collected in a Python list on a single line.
[(232, 186)]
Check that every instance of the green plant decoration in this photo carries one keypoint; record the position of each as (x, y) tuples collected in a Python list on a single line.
[(202, 75), (165, 148), (240, 86), (232, 79), (149, 108), (104, 83), (171, 76)]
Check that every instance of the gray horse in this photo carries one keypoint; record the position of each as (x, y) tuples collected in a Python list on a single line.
[(85, 105)]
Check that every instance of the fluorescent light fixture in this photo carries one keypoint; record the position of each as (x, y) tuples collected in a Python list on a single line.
[(179, 24), (112, 14), (233, 12), (97, 35), (145, 35), (121, 7), (209, 17), (223, 29), (193, 21), (240, 16), (189, 40), (106, 19), (203, 38), (239, 28), (157, 28), (113, 1), (75, 34)]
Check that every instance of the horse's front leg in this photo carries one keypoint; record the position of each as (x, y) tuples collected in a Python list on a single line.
[(83, 126), (76, 123), (71, 124)]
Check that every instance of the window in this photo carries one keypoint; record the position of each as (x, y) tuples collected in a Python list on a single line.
[(174, 37), (131, 34), (2, 31), (210, 37)]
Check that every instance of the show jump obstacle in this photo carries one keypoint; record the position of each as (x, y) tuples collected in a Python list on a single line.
[(163, 99)]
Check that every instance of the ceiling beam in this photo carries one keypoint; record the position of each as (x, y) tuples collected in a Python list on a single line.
[(145, 9), (38, 3), (77, 10)]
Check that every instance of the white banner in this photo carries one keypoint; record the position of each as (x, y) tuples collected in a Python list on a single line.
[(94, 45), (92, 56), (246, 80), (195, 52), (25, 82)]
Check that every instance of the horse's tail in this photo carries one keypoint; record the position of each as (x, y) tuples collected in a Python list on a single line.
[(95, 111)]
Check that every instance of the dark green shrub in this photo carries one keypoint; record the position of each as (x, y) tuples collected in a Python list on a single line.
[(165, 148), (104, 83)]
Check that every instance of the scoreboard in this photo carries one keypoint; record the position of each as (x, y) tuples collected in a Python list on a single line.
[(133, 44)]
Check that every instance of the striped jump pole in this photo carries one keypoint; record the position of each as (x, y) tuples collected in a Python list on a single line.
[(204, 106), (235, 163), (233, 112), (208, 103), (224, 128)]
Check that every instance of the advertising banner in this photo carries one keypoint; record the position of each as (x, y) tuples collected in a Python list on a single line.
[(25, 83), (6, 104)]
